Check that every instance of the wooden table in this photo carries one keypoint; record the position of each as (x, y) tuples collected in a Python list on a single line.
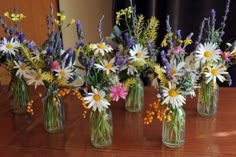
[(205, 137)]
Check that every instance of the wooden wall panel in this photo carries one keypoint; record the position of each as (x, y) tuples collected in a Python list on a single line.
[(34, 25)]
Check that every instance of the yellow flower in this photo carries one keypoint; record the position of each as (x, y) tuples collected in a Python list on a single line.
[(187, 41), (180, 41), (129, 82), (61, 82), (61, 16), (57, 22), (72, 21), (47, 76), (164, 42), (6, 14)]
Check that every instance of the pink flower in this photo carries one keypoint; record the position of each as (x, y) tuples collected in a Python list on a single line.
[(225, 56), (55, 65), (178, 50), (117, 92)]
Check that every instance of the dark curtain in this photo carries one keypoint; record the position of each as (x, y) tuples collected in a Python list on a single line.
[(185, 15)]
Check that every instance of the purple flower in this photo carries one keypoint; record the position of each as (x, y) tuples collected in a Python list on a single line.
[(190, 35), (21, 36), (59, 44), (130, 40), (30, 46), (163, 58), (11, 31), (178, 34), (213, 18), (50, 50), (119, 59), (79, 30), (79, 44)]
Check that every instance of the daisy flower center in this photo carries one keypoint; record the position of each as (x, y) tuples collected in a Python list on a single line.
[(96, 97), (214, 72), (62, 72), (37, 77), (138, 55), (172, 71), (172, 92), (108, 66), (101, 46), (207, 54), (9, 46), (22, 67)]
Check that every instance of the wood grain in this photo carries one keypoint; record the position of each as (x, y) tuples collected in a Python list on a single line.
[(205, 137)]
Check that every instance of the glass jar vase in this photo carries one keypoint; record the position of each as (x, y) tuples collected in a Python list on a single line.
[(207, 99), (173, 131), (53, 111), (18, 95), (135, 97), (101, 128)]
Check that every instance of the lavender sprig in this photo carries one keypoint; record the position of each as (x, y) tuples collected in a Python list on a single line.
[(100, 28), (168, 29), (134, 16), (4, 25), (223, 23), (213, 20), (79, 31), (51, 17), (201, 31)]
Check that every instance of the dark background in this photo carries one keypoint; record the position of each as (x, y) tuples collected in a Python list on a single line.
[(187, 16)]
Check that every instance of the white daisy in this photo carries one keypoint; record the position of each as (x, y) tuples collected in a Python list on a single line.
[(172, 96), (9, 46), (35, 77), (101, 48), (138, 53), (216, 72), (64, 73), (97, 100), (208, 52), (107, 66), (23, 69), (176, 70), (131, 70)]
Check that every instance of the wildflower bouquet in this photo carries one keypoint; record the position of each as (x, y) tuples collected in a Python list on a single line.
[(133, 41), (175, 79), (212, 62), (13, 59), (52, 67), (101, 85)]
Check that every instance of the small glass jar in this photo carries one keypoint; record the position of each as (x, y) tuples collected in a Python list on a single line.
[(53, 111), (207, 99), (18, 94), (173, 132), (135, 97), (101, 128)]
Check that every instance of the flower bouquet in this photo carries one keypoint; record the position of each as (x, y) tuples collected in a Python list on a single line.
[(133, 41), (175, 80), (12, 58), (212, 63), (52, 67), (101, 86)]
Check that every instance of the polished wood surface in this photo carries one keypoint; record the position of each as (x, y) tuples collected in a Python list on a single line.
[(205, 137)]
